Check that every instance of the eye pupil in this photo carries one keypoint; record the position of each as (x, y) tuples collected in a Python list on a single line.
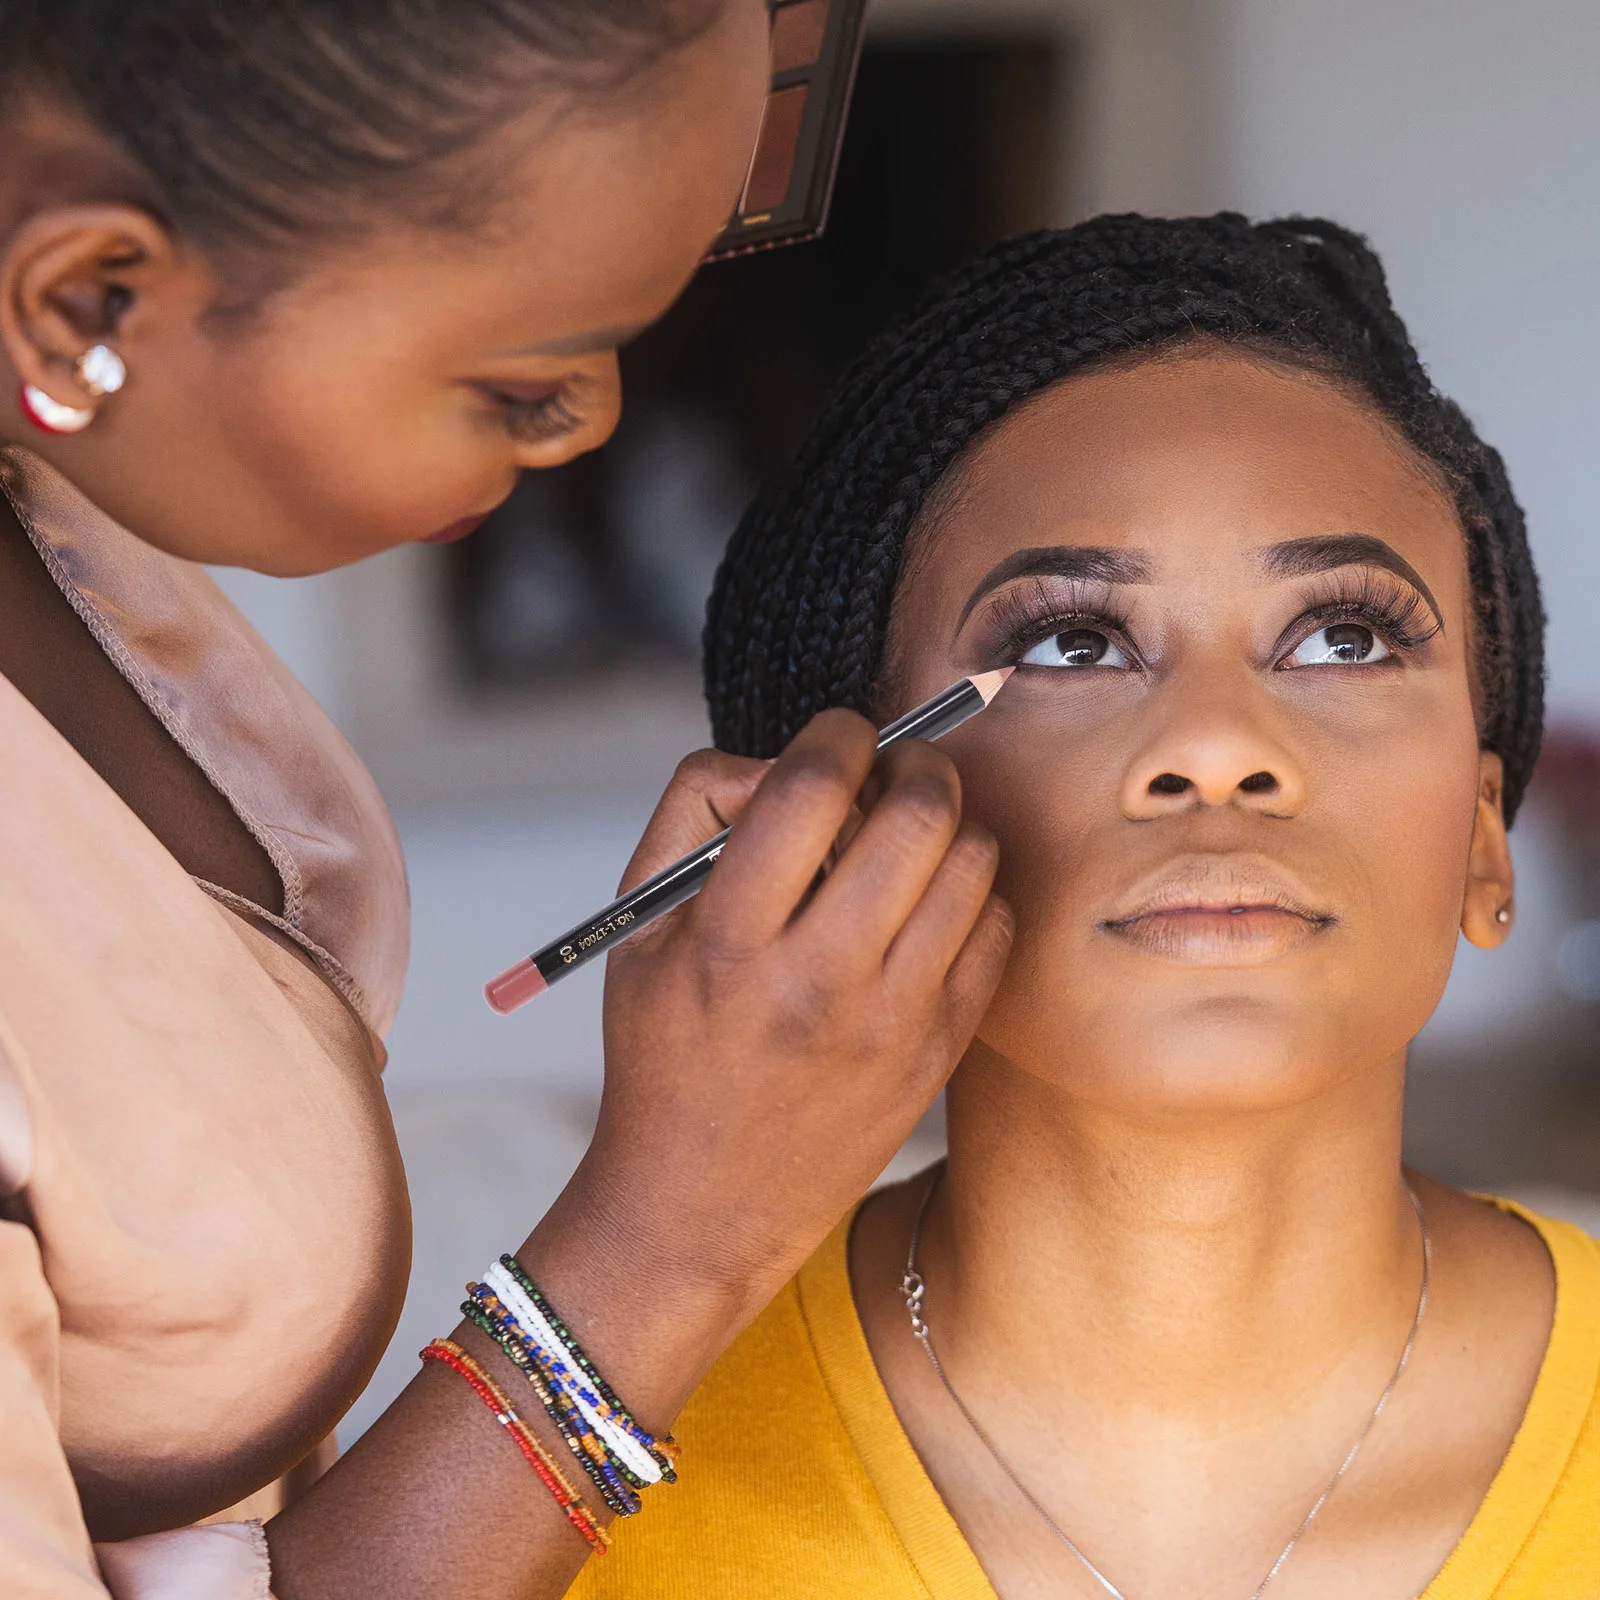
[(1081, 647), (1349, 641)]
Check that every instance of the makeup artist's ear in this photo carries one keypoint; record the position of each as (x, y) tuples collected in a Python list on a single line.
[(84, 275), (1487, 911)]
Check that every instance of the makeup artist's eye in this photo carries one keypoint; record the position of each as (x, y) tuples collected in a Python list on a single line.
[(535, 412), (1076, 647), (1341, 644)]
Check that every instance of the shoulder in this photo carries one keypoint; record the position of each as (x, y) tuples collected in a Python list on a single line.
[(1537, 1532)]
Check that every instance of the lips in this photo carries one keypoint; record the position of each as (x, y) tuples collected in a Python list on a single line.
[(1218, 911)]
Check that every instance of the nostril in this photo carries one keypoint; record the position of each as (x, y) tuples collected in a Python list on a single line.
[(1260, 783), (1168, 783)]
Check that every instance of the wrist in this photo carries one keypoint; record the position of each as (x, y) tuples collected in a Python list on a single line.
[(652, 1305)]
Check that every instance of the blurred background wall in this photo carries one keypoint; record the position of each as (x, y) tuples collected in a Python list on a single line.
[(523, 697)]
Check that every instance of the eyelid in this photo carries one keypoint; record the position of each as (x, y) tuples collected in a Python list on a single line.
[(534, 411), (1022, 614), (529, 392), (1378, 599)]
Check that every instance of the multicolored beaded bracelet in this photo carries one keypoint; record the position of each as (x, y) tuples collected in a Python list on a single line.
[(478, 1315), (450, 1354), (620, 1457), (625, 1440), (611, 1476), (666, 1445)]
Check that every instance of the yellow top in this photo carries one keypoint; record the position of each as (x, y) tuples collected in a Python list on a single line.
[(800, 1484)]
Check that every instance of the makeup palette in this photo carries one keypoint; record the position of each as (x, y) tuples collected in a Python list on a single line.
[(816, 45)]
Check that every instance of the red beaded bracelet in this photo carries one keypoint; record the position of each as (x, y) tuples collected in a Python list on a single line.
[(450, 1354)]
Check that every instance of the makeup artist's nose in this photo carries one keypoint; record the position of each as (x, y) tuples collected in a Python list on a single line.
[(1209, 751)]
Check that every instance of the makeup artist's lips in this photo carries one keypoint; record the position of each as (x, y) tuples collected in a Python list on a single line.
[(457, 530), (1224, 911)]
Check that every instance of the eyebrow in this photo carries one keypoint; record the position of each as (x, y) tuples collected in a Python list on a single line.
[(587, 343), (1087, 562), (1299, 558)]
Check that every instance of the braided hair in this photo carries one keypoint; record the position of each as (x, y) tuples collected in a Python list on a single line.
[(800, 611)]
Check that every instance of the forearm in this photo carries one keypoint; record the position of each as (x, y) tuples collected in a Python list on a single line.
[(437, 1500), (768, 1047)]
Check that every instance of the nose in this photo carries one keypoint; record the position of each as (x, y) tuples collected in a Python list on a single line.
[(1213, 749)]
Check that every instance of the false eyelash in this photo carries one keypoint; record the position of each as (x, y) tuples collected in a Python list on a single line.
[(548, 418), (1023, 616), (1389, 607)]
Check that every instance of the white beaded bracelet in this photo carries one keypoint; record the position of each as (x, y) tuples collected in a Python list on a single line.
[(616, 1438)]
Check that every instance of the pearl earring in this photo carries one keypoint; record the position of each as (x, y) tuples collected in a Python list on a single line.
[(100, 370), (1503, 914)]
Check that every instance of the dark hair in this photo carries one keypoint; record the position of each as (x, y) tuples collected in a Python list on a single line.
[(800, 611), (264, 120)]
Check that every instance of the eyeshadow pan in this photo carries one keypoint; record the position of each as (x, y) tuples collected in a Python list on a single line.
[(767, 186), (789, 182), (797, 34)]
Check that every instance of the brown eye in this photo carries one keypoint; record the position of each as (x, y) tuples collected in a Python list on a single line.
[(1075, 647), (1340, 644)]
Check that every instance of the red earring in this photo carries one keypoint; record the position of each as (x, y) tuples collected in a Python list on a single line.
[(50, 416)]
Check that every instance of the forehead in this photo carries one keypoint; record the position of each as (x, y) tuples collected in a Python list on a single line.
[(1200, 459)]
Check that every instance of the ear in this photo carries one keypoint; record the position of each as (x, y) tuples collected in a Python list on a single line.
[(75, 277), (1491, 884)]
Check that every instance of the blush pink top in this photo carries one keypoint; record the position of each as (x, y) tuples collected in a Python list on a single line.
[(204, 1236)]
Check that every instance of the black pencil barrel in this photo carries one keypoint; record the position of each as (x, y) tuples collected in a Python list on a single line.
[(670, 887)]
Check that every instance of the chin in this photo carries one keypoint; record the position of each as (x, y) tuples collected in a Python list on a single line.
[(1233, 1054)]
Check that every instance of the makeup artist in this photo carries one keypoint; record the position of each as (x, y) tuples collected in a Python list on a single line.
[(282, 287)]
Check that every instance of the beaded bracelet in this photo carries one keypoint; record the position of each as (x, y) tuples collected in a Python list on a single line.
[(612, 1478), (620, 1457), (477, 1314), (664, 1446), (624, 1438), (450, 1354)]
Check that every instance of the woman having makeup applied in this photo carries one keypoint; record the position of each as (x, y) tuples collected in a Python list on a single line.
[(282, 286), (1172, 1319)]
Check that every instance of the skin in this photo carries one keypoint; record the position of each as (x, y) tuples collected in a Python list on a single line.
[(1173, 1264), (294, 413), (389, 387)]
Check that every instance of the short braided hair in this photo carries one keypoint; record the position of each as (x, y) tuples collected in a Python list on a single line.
[(799, 615)]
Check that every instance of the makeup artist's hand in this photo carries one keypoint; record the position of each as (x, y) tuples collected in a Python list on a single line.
[(770, 1044)]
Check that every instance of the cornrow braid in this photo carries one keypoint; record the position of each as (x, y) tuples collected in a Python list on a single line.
[(800, 612)]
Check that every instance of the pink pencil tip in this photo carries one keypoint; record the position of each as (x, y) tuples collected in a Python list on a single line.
[(516, 986), (988, 683)]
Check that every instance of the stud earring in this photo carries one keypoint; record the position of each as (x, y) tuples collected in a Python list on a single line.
[(100, 370), (1503, 914)]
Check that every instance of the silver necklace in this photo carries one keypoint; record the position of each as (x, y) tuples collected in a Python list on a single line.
[(914, 1290)]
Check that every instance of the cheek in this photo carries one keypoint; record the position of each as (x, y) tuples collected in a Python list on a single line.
[(1399, 814), (361, 460), (1383, 839)]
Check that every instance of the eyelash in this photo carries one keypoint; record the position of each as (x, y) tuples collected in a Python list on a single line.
[(1022, 618), (533, 420), (1394, 611), (1019, 624)]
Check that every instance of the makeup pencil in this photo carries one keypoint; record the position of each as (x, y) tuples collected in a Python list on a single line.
[(673, 885)]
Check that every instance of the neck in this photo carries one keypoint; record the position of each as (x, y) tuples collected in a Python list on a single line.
[(1209, 1263)]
